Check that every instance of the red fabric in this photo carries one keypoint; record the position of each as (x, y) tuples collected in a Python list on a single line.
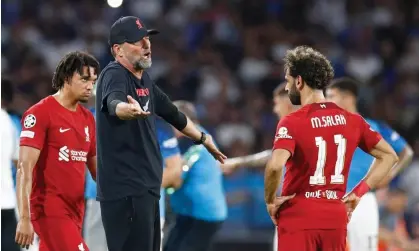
[(66, 139), (321, 138), (361, 189), (59, 234), (312, 240)]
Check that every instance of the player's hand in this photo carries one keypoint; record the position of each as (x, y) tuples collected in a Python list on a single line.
[(273, 208), (351, 202), (229, 166), (135, 109), (209, 144), (24, 233)]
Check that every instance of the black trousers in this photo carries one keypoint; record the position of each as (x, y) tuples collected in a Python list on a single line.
[(8, 230), (132, 223), (190, 234)]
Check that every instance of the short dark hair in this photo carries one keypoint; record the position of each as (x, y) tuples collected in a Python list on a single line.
[(6, 90), (187, 108), (280, 90), (345, 84), (313, 67), (71, 63)]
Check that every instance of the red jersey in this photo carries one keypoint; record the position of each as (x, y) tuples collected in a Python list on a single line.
[(321, 138), (66, 140)]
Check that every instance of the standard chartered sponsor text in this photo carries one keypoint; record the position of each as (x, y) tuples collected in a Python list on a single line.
[(78, 155)]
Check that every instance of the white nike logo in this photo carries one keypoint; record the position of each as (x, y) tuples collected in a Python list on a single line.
[(63, 130), (146, 105)]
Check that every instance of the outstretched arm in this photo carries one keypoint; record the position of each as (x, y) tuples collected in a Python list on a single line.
[(253, 160), (169, 112)]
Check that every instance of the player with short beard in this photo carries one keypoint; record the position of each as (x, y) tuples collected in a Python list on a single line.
[(57, 141), (316, 144)]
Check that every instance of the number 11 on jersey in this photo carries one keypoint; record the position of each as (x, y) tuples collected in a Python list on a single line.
[(337, 178)]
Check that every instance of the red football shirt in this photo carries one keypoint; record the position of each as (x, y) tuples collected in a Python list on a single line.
[(66, 140), (321, 138)]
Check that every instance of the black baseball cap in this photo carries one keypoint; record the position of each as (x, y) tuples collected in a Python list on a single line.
[(129, 29)]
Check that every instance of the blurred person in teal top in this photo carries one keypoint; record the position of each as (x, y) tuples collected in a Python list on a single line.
[(199, 201), (172, 163), (201, 195)]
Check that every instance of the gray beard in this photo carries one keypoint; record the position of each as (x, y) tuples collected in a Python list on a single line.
[(142, 64)]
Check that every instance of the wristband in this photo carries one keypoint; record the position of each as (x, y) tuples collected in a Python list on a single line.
[(361, 189), (201, 140)]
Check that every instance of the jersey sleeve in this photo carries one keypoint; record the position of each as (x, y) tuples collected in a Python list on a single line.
[(92, 128), (392, 137), (35, 123), (114, 81), (369, 137), (284, 138)]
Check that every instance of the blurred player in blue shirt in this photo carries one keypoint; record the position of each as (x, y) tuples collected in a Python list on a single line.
[(364, 225), (199, 201), (172, 163)]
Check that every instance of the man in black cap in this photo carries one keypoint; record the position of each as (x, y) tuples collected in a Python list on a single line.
[(129, 160)]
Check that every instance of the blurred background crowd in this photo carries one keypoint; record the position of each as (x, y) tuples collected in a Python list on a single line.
[(226, 57)]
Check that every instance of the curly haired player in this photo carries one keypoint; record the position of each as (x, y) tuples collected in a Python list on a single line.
[(57, 141), (316, 144)]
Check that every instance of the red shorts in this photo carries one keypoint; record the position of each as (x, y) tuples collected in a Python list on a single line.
[(312, 240), (61, 234)]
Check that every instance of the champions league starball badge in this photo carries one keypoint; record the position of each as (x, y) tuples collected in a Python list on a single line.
[(30, 121)]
